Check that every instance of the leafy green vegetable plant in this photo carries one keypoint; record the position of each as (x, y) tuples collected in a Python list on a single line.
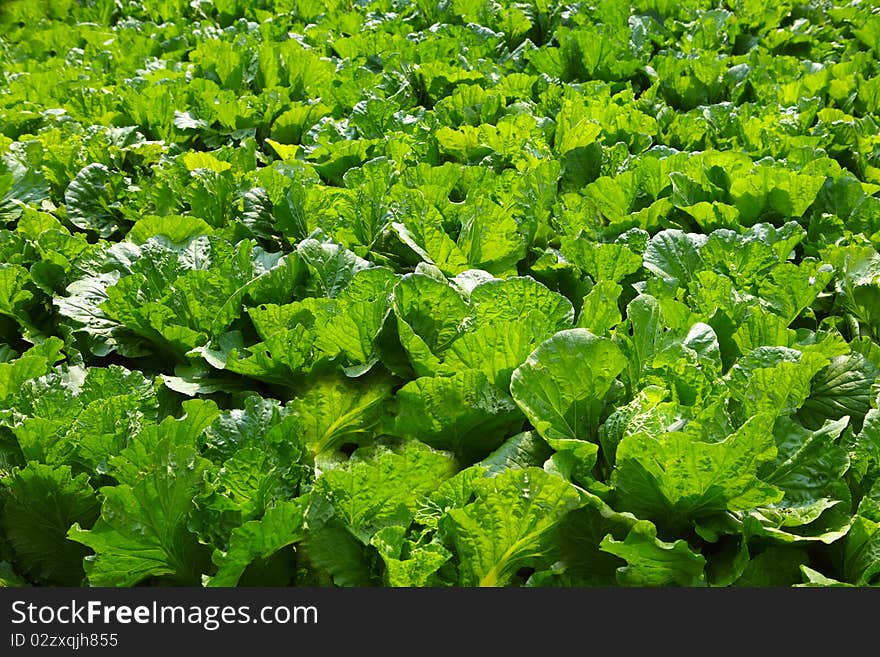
[(304, 293)]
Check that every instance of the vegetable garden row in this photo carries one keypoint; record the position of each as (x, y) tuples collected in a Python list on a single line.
[(494, 293)]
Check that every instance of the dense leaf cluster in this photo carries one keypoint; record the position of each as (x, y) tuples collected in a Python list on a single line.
[(439, 294)]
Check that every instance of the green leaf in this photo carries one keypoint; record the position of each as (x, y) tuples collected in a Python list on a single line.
[(9, 578), (381, 488), (490, 238), (198, 160), (331, 266), (603, 262), (509, 525), (82, 305), (774, 380), (502, 300), (90, 200), (406, 563), (13, 295), (582, 562), (809, 467), (41, 502), (649, 412), (674, 256), (429, 314), (36, 361), (790, 289), (600, 311), (865, 449), (83, 418), (511, 317), (334, 410), (259, 449), (869, 507), (282, 525), (562, 386), (775, 566), (861, 557), (140, 456), (422, 231), (676, 477), (142, 531), (652, 562), (178, 229), (276, 360), (22, 187), (464, 413), (520, 451), (645, 320), (843, 388), (496, 349), (348, 325), (785, 192), (814, 578), (336, 556)]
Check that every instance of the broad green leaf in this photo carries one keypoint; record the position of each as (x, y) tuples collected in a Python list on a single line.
[(674, 256), (814, 578), (198, 160), (335, 556), (83, 417), (809, 467), (775, 566), (520, 451), (90, 200), (861, 557), (869, 507), (464, 413), (9, 578), (381, 488), (406, 563), (767, 188), (789, 289), (259, 449), (276, 360), (334, 410), (652, 562), (763, 329), (865, 447), (490, 238), (429, 314), (649, 412), (675, 477), (40, 503), (281, 526), (773, 379), (36, 361), (178, 229), (841, 389), (509, 299), (82, 305), (142, 531), (497, 348), (603, 262), (13, 295), (509, 525), (562, 386), (600, 311), (581, 561), (422, 231), (331, 265), (348, 325), (158, 440), (645, 320)]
